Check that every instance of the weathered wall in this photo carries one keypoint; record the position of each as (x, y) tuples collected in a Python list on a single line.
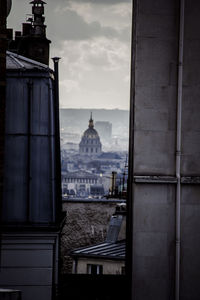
[(153, 145), (109, 267), (86, 224)]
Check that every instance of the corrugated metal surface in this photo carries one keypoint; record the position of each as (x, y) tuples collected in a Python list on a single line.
[(104, 250), (30, 166)]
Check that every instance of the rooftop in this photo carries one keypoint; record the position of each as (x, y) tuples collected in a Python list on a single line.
[(112, 251), (18, 62)]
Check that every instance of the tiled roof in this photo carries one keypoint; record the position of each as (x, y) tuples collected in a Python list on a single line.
[(115, 251)]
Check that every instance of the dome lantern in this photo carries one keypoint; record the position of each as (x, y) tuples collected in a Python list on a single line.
[(91, 123)]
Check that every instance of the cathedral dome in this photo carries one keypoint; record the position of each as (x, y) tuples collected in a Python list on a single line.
[(90, 143)]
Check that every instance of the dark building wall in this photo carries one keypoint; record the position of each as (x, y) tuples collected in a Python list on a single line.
[(153, 150), (31, 210), (30, 193)]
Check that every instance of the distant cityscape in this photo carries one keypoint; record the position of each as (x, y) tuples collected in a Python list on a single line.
[(94, 155)]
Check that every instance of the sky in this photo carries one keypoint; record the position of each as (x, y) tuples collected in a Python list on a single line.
[(92, 37)]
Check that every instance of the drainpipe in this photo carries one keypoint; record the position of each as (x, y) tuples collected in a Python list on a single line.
[(30, 98), (52, 148), (3, 46), (178, 150), (57, 139)]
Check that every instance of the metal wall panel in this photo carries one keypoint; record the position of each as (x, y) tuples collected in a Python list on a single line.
[(30, 179), (40, 118), (17, 106), (40, 185), (29, 263), (26, 276), (16, 181), (23, 258)]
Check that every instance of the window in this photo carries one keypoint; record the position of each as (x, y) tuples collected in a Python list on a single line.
[(94, 269)]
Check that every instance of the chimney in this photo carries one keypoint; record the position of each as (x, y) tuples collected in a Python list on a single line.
[(32, 42), (18, 34), (117, 226), (9, 34), (26, 29)]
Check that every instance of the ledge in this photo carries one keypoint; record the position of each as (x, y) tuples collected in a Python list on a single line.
[(154, 179), (103, 200), (166, 179)]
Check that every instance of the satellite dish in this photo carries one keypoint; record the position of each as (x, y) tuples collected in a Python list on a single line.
[(9, 4)]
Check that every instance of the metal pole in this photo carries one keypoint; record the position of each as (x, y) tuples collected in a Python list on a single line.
[(178, 150), (3, 44), (57, 139), (3, 48)]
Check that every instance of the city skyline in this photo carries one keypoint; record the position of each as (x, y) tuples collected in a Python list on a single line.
[(93, 40)]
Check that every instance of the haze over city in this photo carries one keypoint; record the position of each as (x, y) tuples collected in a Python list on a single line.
[(93, 40)]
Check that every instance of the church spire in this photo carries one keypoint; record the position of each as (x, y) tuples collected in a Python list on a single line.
[(91, 123)]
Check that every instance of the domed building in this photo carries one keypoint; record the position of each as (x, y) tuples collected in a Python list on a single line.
[(90, 142)]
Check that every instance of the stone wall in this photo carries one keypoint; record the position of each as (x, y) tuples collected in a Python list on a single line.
[(86, 224)]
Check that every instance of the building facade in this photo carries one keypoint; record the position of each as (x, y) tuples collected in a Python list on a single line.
[(164, 165), (78, 183)]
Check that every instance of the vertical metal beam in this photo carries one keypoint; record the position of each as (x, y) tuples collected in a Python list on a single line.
[(52, 149), (178, 150), (30, 97), (130, 192), (57, 138), (3, 45)]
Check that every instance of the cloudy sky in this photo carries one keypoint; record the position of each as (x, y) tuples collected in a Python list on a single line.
[(93, 39)]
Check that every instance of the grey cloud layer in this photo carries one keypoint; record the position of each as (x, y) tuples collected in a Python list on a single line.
[(63, 23), (72, 26), (95, 1)]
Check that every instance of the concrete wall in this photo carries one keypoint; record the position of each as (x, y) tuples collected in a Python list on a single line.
[(153, 149), (86, 224)]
